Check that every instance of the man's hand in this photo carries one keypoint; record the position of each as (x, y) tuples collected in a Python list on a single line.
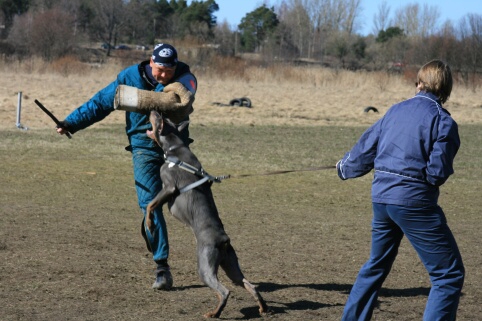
[(63, 128)]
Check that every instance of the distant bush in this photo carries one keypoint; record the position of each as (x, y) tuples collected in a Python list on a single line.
[(47, 34), (68, 65)]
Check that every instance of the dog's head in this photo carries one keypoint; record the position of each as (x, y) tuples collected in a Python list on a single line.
[(164, 131)]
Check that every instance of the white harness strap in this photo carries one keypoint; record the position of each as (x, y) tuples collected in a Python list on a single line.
[(194, 185), (205, 177)]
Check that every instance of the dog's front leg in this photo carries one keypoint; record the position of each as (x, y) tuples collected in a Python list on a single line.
[(161, 198)]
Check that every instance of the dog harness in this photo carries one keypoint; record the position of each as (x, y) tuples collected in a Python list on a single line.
[(204, 176)]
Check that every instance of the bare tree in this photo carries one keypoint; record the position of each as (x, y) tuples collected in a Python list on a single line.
[(319, 15), (445, 45), (52, 33), (416, 21), (225, 38), (352, 12), (110, 16), (380, 19), (406, 18), (470, 34), (70, 7), (296, 17), (139, 22), (343, 15), (20, 33), (9, 10), (314, 23), (428, 21)]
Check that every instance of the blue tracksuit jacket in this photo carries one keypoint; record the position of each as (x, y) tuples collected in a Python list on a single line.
[(411, 149)]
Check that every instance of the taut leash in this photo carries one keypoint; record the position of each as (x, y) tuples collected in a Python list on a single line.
[(283, 172), (205, 177)]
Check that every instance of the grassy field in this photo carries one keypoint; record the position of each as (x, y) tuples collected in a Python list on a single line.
[(71, 249)]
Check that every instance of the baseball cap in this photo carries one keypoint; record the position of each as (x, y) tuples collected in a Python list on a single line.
[(164, 55)]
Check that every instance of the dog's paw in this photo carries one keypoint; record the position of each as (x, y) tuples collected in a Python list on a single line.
[(266, 312), (211, 315), (150, 226)]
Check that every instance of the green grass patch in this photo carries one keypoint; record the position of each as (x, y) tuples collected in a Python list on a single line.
[(40, 167)]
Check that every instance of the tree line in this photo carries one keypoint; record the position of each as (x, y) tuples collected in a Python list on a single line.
[(304, 31)]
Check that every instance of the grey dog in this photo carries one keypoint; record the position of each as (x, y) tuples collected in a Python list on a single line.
[(196, 208)]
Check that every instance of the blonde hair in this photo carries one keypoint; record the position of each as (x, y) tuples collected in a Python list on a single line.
[(435, 77)]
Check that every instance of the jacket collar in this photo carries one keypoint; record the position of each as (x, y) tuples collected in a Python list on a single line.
[(430, 96)]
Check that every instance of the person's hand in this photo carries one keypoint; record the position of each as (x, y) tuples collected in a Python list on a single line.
[(62, 128)]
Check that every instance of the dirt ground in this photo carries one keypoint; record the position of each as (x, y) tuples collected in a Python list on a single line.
[(64, 260)]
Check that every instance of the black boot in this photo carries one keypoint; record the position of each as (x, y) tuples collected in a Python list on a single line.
[(163, 276)]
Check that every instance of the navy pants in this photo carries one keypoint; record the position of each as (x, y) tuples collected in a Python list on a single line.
[(147, 165), (427, 230)]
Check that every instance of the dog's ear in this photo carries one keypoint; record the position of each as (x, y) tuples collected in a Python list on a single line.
[(167, 127), (182, 125)]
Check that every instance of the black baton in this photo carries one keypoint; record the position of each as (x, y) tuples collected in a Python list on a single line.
[(57, 122)]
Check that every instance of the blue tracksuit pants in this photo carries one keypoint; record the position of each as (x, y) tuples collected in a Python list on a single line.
[(427, 230), (147, 164)]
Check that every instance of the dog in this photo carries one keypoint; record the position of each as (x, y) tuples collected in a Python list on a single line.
[(194, 206)]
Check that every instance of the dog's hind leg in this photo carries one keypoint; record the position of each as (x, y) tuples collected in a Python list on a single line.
[(230, 265), (263, 308), (208, 264)]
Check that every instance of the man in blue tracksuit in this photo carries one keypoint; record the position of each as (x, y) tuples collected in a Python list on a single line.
[(161, 72), (411, 149)]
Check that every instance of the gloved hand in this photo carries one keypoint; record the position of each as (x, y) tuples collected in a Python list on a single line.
[(179, 110), (186, 98)]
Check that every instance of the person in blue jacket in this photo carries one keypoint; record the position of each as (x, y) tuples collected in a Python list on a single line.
[(411, 150), (161, 72)]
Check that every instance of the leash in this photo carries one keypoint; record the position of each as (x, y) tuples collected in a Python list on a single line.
[(284, 171), (205, 177)]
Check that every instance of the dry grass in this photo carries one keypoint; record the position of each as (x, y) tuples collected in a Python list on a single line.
[(281, 94)]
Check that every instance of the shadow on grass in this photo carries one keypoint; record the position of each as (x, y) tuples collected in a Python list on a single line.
[(304, 305), (278, 308), (301, 305), (345, 288)]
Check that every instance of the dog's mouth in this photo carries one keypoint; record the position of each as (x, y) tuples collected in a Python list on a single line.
[(150, 134)]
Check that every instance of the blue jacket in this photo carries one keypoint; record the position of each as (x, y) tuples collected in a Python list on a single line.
[(411, 148), (102, 103)]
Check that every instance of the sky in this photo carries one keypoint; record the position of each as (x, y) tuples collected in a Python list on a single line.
[(234, 10)]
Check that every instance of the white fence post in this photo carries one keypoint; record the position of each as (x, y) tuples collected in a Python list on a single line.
[(19, 112)]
